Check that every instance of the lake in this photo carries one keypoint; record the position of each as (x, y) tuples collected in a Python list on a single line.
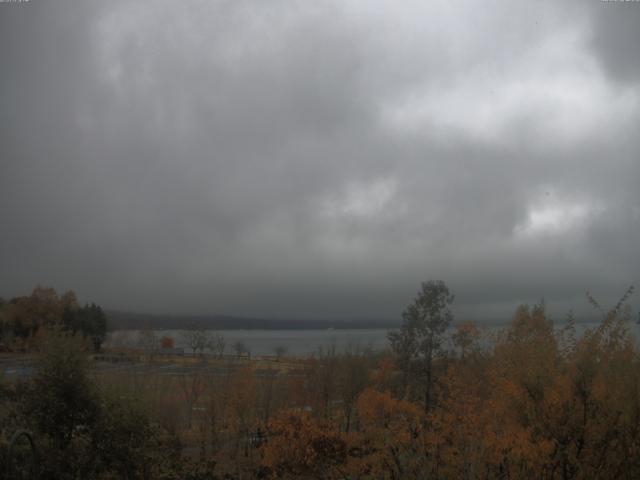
[(300, 342)]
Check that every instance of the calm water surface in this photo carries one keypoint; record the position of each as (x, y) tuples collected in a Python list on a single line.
[(299, 342), (264, 342)]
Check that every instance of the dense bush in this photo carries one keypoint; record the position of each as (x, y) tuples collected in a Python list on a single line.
[(81, 430)]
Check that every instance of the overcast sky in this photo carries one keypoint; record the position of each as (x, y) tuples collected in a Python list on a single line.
[(318, 159)]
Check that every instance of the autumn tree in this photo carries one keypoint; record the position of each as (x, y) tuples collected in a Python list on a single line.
[(240, 348), (44, 307), (148, 341), (196, 339), (241, 411), (321, 380), (352, 373), (192, 385), (280, 351), (390, 446), (301, 446), (465, 338), (167, 342), (216, 343), (421, 335)]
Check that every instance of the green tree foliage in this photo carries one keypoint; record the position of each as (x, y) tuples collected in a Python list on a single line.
[(89, 320), (82, 430), (123, 440), (61, 396), (5, 327), (421, 334)]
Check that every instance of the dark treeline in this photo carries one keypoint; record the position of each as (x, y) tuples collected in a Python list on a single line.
[(23, 318), (535, 400)]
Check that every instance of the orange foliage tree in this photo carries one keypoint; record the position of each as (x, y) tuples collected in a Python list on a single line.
[(167, 342), (301, 446)]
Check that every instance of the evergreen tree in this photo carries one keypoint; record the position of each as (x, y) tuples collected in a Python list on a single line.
[(420, 337)]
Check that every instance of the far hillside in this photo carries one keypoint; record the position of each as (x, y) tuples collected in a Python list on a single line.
[(119, 320)]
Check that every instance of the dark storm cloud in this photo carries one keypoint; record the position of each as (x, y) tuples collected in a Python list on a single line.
[(615, 38), (317, 159)]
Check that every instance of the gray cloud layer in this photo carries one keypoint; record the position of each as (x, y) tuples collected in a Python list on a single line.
[(319, 159)]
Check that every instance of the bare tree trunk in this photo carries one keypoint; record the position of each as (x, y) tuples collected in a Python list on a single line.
[(429, 378)]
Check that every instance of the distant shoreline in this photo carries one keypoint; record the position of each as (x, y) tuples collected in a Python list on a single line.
[(118, 320)]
